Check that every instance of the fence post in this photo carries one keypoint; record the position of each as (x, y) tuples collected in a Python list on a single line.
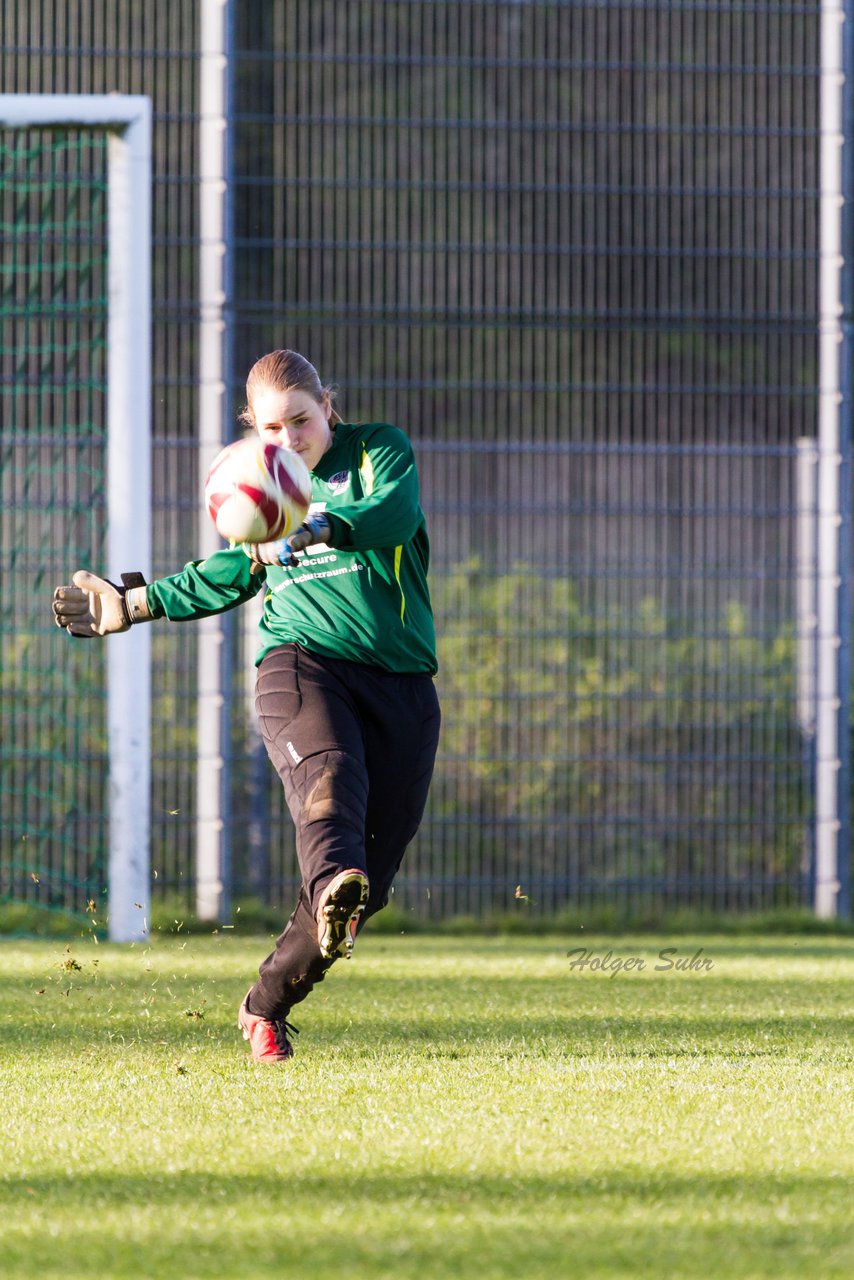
[(806, 624), (214, 634), (834, 444)]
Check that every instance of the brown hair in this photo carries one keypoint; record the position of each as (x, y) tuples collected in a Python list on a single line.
[(285, 371)]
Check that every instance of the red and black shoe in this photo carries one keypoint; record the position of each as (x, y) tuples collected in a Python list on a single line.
[(269, 1041), (343, 901)]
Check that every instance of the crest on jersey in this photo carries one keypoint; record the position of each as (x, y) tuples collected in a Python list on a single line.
[(338, 483)]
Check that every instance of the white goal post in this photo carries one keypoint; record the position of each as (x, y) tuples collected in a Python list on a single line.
[(127, 121)]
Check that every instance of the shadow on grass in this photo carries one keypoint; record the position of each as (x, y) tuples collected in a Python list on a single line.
[(397, 1185), (617, 1223), (565, 1035)]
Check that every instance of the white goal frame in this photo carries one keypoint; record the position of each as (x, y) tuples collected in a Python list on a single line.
[(127, 121)]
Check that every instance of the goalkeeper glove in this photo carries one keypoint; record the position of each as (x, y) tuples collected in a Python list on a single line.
[(92, 606), (315, 529)]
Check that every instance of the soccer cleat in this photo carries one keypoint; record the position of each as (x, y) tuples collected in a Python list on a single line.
[(269, 1041), (343, 901)]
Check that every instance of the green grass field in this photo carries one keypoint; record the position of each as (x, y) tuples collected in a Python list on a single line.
[(458, 1107)]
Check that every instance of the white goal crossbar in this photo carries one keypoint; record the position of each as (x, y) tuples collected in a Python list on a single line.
[(127, 120)]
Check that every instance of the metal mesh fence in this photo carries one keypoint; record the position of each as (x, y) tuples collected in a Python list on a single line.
[(571, 250)]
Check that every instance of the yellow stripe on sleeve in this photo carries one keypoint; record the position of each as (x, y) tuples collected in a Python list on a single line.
[(398, 553), (366, 471)]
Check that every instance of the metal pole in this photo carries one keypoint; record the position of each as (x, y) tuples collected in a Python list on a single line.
[(212, 781), (833, 521), (846, 435), (805, 586), (129, 521), (806, 622)]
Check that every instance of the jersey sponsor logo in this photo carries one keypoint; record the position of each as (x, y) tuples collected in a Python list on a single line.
[(309, 578), (338, 483)]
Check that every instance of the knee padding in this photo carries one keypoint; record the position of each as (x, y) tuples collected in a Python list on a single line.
[(336, 790)]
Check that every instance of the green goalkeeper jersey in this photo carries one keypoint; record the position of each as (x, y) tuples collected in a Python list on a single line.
[(364, 596)]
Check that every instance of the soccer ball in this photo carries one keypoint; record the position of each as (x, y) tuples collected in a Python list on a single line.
[(257, 492)]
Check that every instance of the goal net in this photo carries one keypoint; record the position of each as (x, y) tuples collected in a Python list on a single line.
[(74, 404)]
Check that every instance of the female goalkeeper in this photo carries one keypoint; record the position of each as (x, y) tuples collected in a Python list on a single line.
[(344, 694)]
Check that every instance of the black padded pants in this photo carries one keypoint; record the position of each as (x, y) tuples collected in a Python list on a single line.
[(354, 747)]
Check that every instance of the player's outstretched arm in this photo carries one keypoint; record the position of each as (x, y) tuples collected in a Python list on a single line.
[(92, 606)]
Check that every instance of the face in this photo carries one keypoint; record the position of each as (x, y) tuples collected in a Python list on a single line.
[(294, 420)]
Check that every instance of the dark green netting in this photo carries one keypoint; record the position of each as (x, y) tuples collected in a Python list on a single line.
[(53, 333)]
